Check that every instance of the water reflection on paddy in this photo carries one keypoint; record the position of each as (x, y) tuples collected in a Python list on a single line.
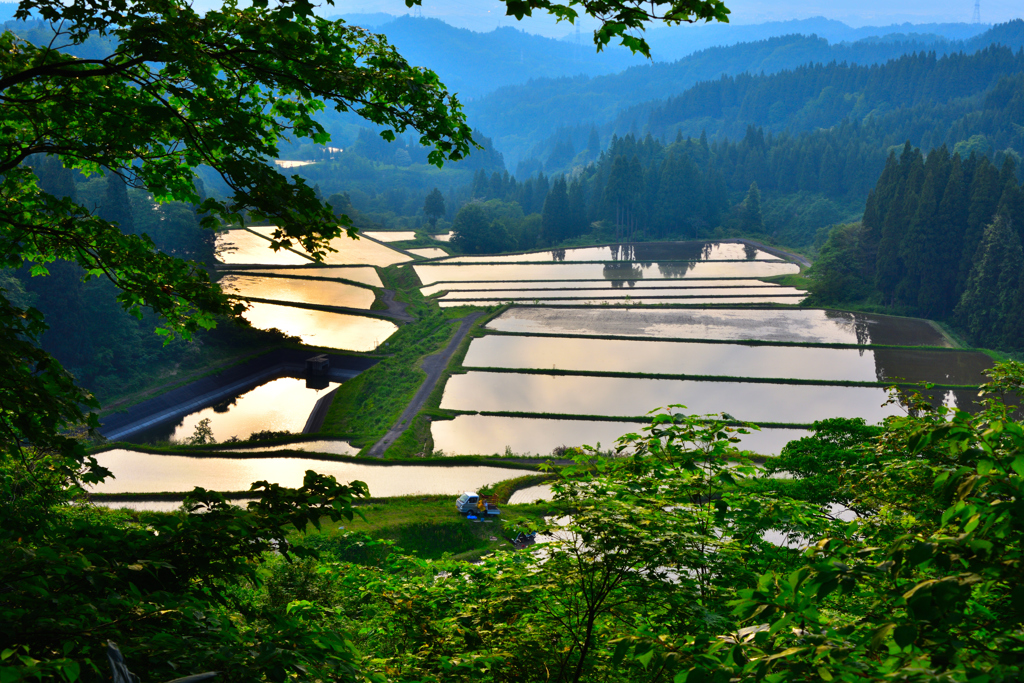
[(391, 236), (366, 275), (323, 292), (728, 360), (808, 326), (138, 472), (612, 396), (627, 301), (333, 447), (240, 246), (428, 252), (445, 237), (639, 251), (282, 404), (430, 274), (350, 251), (321, 328), (604, 286), (490, 434), (632, 293)]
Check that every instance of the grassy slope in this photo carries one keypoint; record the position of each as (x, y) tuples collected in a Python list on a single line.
[(367, 406), (429, 526)]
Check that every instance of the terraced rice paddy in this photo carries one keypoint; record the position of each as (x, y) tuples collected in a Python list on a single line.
[(391, 235), (350, 252), (444, 237), (799, 326), (608, 287), (365, 275), (584, 341), (727, 360), (138, 472), (333, 447), (322, 328), (241, 247), (624, 271), (293, 290), (491, 434), (631, 301), (795, 404), (282, 404), (428, 252), (640, 251)]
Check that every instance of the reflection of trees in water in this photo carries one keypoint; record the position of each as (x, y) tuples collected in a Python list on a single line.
[(858, 324), (225, 405), (558, 255), (674, 259), (750, 252), (622, 271)]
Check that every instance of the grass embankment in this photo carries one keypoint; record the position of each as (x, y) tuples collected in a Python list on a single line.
[(796, 280), (418, 440), (366, 407), (429, 526)]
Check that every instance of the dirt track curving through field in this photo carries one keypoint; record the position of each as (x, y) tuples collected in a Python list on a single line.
[(434, 365)]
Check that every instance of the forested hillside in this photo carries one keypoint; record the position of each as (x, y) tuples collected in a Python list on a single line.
[(520, 117), (941, 238)]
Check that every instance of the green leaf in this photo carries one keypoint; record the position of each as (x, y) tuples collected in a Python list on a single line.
[(905, 635), (881, 634)]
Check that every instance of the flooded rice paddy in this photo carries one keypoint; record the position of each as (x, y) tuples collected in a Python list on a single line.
[(282, 404), (639, 251), (625, 271), (366, 275), (630, 293), (617, 396), (137, 472), (632, 301), (443, 237), (322, 328), (349, 251), (531, 494), (391, 235), (728, 360), (428, 252), (293, 290), (241, 247), (605, 286), (526, 436), (804, 326), (330, 447)]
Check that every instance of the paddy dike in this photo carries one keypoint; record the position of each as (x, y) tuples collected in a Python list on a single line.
[(204, 392)]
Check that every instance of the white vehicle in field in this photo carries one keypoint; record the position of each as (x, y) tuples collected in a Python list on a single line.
[(473, 503)]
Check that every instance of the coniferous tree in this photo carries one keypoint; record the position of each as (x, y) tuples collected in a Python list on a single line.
[(985, 193), (751, 219), (938, 294), (992, 286), (555, 217), (577, 209), (433, 206)]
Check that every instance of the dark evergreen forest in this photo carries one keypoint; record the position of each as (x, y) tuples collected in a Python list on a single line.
[(941, 238)]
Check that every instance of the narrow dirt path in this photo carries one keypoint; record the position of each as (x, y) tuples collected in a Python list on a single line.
[(433, 365), (396, 309)]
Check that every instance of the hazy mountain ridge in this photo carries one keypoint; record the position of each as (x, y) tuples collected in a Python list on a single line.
[(473, 64), (521, 118)]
